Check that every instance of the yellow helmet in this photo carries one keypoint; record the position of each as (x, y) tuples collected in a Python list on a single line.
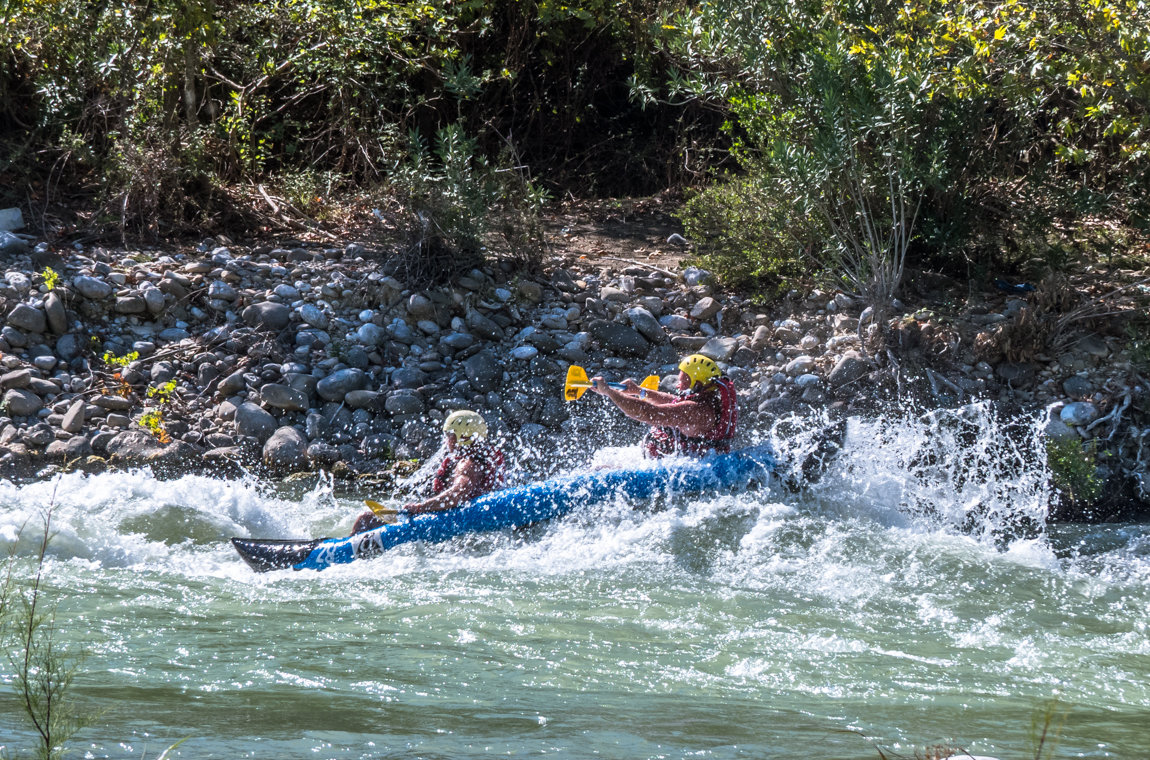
[(467, 426), (700, 369)]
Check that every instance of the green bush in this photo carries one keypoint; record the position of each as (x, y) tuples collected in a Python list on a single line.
[(458, 199), (746, 237), (920, 130), (155, 105), (1072, 469)]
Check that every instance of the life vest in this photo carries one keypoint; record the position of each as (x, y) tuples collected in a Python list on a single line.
[(720, 395), (488, 461)]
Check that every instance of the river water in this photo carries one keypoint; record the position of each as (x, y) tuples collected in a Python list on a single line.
[(895, 605)]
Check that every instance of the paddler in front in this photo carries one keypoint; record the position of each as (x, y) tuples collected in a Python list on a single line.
[(471, 468), (698, 419)]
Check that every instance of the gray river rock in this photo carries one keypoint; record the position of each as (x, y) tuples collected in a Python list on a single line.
[(359, 364)]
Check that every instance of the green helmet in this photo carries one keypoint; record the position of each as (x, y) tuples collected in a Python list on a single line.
[(467, 426), (700, 369)]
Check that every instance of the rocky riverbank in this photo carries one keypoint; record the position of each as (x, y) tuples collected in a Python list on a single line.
[(304, 356)]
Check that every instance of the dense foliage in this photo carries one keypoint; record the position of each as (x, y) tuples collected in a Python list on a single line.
[(866, 135), (157, 102), (946, 131)]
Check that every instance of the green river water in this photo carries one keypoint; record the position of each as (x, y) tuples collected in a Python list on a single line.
[(760, 625)]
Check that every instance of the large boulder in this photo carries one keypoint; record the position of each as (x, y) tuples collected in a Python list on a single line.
[(483, 371), (338, 384), (27, 318), (286, 450), (283, 397), (267, 315), (850, 367), (251, 420), (644, 321), (18, 402), (618, 339), (133, 448), (56, 313)]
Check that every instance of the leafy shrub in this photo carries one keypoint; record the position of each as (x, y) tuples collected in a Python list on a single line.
[(746, 237), (922, 130), (1072, 469), (459, 198)]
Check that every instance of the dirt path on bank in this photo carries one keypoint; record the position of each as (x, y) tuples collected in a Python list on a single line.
[(617, 232)]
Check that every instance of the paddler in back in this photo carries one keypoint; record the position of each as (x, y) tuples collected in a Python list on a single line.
[(700, 418), (471, 468)]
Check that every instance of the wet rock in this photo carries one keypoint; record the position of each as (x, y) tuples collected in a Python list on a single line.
[(408, 377), (644, 321), (323, 454), (618, 339), (719, 348), (362, 399), (1079, 413), (133, 447), (75, 448), (252, 421), (284, 397), (850, 367), (338, 384), (286, 450), (800, 365), (404, 402), (483, 371), (378, 445)]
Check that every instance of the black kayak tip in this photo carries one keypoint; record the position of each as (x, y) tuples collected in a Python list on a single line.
[(265, 554)]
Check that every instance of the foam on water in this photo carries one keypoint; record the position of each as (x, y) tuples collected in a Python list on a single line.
[(904, 576)]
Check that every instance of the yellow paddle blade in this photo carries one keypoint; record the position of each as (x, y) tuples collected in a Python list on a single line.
[(577, 383), (379, 509)]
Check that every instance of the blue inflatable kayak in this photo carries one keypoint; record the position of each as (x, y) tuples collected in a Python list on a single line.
[(518, 506)]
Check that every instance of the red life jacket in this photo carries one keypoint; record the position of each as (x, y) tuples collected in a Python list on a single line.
[(488, 461), (720, 395)]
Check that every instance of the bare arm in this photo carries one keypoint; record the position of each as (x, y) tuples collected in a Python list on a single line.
[(689, 417), (462, 489)]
